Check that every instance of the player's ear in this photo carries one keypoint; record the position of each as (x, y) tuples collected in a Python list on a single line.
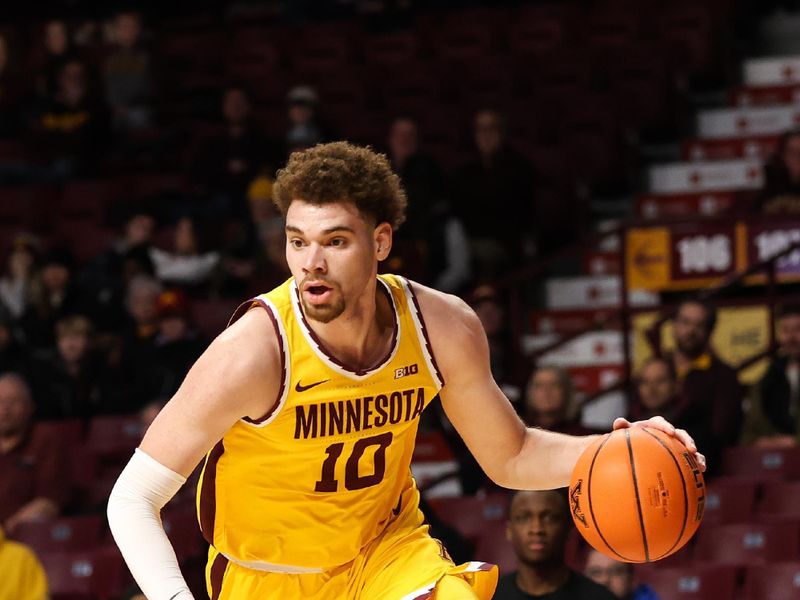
[(383, 240)]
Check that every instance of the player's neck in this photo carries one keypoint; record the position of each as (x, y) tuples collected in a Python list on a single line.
[(362, 335), (542, 578)]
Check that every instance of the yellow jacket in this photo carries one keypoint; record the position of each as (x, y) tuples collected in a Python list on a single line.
[(23, 576)]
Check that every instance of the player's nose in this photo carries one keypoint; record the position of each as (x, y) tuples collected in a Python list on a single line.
[(315, 260)]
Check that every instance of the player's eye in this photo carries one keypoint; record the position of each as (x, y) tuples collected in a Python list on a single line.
[(338, 242), (296, 243)]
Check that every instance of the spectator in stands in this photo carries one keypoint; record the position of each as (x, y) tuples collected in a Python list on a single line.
[(228, 163), (779, 388), (33, 470), (616, 576), (550, 402), (11, 93), (23, 575), (305, 129), (60, 296), (256, 260), (58, 52), (72, 129), (657, 392), (509, 367), (494, 197), (19, 285), (13, 355), (781, 193), (189, 263), (175, 348), (430, 221), (538, 524), (126, 71), (712, 396), (67, 381)]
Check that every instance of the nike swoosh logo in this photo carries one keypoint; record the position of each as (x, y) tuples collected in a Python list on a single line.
[(303, 388)]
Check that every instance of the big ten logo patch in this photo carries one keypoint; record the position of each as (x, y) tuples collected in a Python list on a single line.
[(407, 370)]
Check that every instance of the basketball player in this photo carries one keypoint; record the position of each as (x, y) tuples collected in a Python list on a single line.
[(307, 407)]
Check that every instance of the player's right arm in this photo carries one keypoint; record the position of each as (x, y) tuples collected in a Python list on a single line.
[(238, 375)]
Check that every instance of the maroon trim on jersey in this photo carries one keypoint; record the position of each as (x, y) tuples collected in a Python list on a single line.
[(208, 493), (336, 361), (274, 318), (425, 333), (217, 575), (425, 596), (486, 567)]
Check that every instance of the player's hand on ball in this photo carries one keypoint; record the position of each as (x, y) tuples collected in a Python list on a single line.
[(662, 424)]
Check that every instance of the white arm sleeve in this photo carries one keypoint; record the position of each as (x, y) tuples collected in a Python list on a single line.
[(134, 515)]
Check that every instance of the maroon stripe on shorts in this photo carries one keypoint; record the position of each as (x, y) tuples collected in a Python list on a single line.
[(208, 493), (218, 568)]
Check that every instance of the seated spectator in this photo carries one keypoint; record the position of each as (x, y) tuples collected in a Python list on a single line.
[(781, 192), (128, 82), (19, 285), (23, 575), (779, 388), (13, 354), (616, 576), (58, 51), (60, 296), (712, 396), (538, 524), (189, 263), (12, 92), (494, 197), (305, 129), (33, 469), (430, 221), (69, 380), (550, 402), (72, 129), (510, 368), (175, 348), (657, 392), (227, 163)]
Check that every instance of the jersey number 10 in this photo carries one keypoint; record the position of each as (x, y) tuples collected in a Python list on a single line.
[(352, 480)]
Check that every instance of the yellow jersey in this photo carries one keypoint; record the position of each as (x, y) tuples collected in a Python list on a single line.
[(307, 486)]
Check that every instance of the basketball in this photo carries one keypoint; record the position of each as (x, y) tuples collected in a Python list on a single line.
[(637, 495)]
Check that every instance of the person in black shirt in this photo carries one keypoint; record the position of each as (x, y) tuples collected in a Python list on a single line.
[(537, 527)]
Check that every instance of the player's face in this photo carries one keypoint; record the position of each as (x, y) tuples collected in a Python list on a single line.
[(614, 575), (332, 251), (789, 335), (537, 527), (691, 329)]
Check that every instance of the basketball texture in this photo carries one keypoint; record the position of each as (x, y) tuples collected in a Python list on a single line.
[(637, 495)]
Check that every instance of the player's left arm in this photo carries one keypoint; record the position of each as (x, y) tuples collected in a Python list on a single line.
[(513, 455)]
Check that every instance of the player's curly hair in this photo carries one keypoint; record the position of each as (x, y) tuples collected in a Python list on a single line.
[(341, 171)]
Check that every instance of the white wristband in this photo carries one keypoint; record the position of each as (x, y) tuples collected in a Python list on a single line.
[(134, 507)]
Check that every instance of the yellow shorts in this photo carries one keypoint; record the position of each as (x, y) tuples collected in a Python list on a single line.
[(403, 563)]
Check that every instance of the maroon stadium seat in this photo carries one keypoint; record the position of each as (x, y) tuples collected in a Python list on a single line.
[(28, 205), (748, 543), (760, 464), (493, 547), (180, 523), (114, 435), (780, 501), (691, 583), (62, 533), (464, 42), (83, 200), (779, 581), (729, 501), (391, 49), (471, 515), (212, 316), (535, 38), (90, 575)]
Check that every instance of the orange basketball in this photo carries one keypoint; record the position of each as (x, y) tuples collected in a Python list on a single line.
[(637, 495)]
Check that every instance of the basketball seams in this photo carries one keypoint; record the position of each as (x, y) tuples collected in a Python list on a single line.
[(685, 493), (589, 498), (636, 491)]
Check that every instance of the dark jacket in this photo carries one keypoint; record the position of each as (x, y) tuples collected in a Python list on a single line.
[(775, 393)]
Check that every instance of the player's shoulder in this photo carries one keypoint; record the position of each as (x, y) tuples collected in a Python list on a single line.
[(441, 310), (251, 341)]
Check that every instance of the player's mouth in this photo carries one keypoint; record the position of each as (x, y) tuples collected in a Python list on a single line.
[(317, 292)]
